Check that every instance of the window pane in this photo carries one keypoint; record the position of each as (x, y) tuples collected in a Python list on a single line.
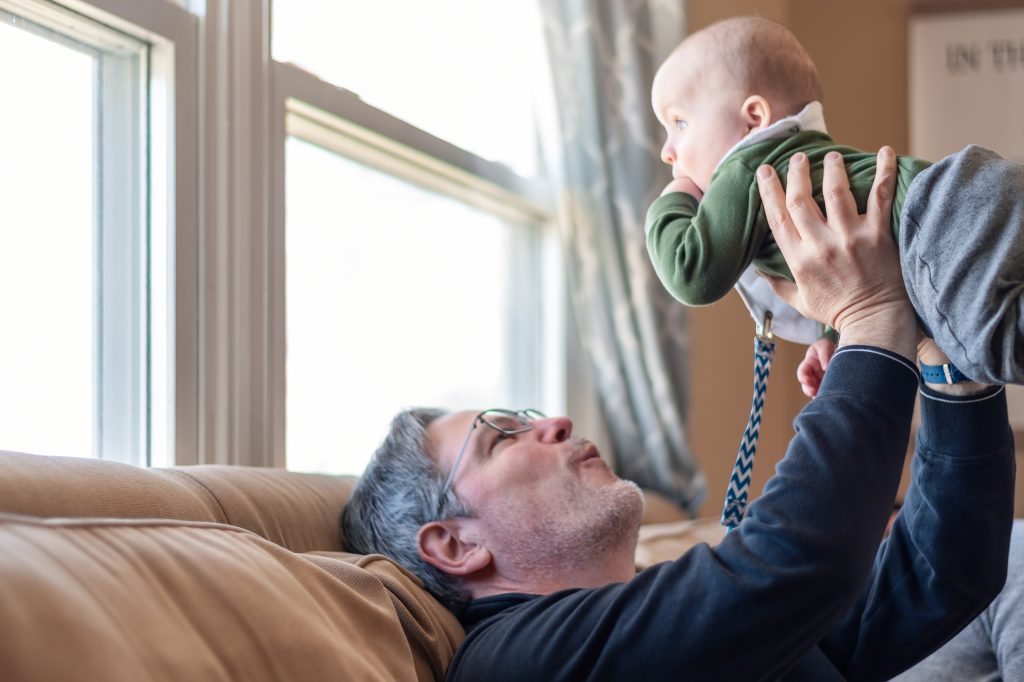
[(73, 228), (46, 246), (467, 71), (396, 297)]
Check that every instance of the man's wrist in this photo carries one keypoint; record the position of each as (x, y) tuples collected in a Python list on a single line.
[(893, 328), (963, 388), (928, 353)]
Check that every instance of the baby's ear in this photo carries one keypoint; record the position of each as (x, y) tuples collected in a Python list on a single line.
[(756, 113)]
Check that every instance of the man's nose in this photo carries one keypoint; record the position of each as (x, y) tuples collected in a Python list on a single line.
[(553, 429)]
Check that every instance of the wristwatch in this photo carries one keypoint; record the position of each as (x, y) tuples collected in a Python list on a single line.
[(942, 374)]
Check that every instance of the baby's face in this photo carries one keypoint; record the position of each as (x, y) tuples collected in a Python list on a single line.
[(702, 117)]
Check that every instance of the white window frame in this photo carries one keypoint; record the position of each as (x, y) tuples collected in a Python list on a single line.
[(338, 120), (142, 403), (248, 98)]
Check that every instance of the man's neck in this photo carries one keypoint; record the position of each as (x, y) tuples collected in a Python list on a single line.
[(597, 572)]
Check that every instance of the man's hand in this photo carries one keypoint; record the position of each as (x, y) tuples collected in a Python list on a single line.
[(683, 184), (812, 369), (846, 267)]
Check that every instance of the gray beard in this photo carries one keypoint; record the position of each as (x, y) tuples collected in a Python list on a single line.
[(581, 530)]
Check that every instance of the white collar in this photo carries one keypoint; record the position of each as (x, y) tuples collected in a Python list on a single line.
[(811, 117)]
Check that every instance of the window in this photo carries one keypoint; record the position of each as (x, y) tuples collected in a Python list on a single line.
[(194, 249), (418, 244), (443, 67), (83, 240), (390, 307)]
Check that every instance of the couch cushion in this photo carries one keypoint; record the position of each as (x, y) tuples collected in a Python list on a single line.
[(298, 511), (68, 486), (171, 600)]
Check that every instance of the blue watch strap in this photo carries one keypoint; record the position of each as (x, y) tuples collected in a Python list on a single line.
[(942, 374)]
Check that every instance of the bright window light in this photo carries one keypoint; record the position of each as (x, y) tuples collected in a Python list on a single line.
[(466, 71), (74, 355), (47, 250), (396, 296)]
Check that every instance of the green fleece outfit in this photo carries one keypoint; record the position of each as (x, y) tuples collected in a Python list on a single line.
[(700, 249)]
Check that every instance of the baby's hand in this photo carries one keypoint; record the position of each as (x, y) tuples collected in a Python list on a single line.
[(683, 184), (812, 369)]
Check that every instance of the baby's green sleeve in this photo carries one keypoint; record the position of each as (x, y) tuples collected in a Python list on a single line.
[(700, 249)]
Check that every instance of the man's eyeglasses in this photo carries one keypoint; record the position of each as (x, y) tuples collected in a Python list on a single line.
[(507, 422)]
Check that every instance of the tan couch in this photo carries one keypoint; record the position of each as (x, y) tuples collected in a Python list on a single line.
[(111, 572)]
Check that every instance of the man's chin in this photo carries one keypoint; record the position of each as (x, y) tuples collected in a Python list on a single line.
[(625, 506)]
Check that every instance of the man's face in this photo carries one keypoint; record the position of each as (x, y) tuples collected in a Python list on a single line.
[(542, 499), (701, 113)]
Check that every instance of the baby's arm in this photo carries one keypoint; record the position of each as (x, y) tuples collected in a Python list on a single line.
[(700, 246), (812, 369)]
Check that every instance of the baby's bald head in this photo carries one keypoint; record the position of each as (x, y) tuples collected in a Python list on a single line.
[(754, 56)]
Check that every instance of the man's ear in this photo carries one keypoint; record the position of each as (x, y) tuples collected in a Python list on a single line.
[(756, 112), (445, 546)]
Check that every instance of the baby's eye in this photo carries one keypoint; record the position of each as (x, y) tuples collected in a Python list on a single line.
[(680, 124)]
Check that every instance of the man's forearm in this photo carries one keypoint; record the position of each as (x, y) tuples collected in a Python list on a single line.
[(816, 527), (946, 556)]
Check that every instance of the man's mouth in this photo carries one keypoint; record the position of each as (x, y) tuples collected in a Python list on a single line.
[(587, 451)]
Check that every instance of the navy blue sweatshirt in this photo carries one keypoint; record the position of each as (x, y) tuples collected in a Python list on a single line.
[(800, 590)]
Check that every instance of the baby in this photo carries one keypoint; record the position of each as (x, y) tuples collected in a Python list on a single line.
[(744, 92)]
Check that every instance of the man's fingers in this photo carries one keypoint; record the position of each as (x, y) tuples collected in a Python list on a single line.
[(884, 186), (774, 200), (799, 192), (835, 187)]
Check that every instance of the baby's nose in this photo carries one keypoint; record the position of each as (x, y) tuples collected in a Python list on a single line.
[(666, 154)]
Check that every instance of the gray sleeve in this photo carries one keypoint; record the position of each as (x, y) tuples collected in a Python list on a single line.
[(968, 657)]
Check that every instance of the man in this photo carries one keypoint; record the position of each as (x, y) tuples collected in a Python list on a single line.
[(522, 529)]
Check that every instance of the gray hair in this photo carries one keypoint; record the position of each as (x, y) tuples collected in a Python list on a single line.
[(399, 492)]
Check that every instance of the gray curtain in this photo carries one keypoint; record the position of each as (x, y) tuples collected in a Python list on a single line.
[(603, 56)]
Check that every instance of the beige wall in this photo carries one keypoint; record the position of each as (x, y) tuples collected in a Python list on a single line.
[(860, 49)]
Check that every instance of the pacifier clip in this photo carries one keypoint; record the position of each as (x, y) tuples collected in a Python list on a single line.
[(739, 483)]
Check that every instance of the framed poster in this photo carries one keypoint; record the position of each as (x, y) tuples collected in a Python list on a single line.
[(967, 81)]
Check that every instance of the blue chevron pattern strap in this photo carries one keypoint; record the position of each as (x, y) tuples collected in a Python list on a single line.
[(739, 483)]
